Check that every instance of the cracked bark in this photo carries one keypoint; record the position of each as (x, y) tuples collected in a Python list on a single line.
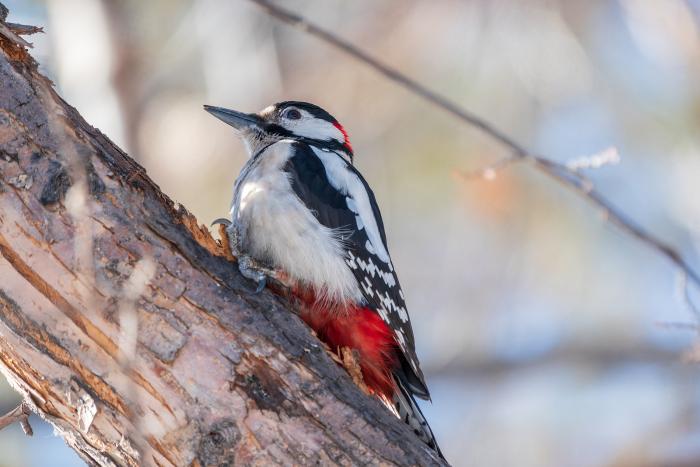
[(220, 376)]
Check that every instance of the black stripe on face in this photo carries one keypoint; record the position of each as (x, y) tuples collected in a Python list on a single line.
[(278, 130), (331, 145)]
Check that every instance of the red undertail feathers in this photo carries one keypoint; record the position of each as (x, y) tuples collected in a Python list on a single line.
[(362, 330)]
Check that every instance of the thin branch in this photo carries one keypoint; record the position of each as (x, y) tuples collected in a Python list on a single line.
[(5, 31), (490, 171), (392, 74), (24, 29), (684, 294), (678, 325), (18, 414), (569, 178)]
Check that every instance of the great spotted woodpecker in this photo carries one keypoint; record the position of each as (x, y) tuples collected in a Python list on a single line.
[(302, 210)]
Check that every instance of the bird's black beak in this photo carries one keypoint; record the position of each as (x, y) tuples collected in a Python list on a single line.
[(239, 120)]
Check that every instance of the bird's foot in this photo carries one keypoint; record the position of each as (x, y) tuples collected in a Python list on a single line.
[(253, 270), (250, 268), (229, 237)]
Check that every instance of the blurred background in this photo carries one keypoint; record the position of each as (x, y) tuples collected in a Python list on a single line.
[(546, 335)]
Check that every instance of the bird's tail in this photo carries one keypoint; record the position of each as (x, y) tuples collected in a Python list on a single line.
[(410, 413)]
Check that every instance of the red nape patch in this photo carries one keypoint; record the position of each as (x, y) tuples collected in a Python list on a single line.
[(346, 143), (363, 330)]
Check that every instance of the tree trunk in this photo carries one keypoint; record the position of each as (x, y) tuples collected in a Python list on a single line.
[(125, 326)]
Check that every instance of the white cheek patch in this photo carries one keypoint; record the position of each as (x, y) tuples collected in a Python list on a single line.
[(311, 127)]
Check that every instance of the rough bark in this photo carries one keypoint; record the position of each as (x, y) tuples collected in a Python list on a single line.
[(219, 375)]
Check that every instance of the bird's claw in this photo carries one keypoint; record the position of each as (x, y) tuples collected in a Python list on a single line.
[(251, 269), (261, 285), (222, 221)]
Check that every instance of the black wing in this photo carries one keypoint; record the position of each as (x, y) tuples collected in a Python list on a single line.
[(336, 208)]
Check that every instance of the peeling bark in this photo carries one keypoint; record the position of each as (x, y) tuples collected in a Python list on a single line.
[(219, 376)]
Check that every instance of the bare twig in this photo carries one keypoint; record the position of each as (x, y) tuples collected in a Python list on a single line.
[(678, 325), (490, 171), (18, 414), (24, 29), (569, 178), (392, 74), (12, 30), (6, 32), (684, 294)]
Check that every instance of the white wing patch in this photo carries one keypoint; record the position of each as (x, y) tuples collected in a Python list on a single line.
[(353, 207), (349, 184), (369, 247)]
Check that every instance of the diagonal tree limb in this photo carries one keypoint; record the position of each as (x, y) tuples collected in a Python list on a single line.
[(125, 326)]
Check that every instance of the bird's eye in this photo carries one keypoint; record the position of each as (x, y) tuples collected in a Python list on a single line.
[(292, 114)]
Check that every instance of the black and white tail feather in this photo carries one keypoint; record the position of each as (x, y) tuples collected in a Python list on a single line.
[(405, 406)]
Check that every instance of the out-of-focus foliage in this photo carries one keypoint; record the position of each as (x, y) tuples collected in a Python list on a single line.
[(540, 326)]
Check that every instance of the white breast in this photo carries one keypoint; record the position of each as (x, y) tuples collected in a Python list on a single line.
[(276, 228)]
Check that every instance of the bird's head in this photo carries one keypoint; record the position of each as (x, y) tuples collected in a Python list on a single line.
[(299, 121)]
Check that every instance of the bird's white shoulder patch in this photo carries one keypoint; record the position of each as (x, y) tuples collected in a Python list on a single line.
[(348, 183)]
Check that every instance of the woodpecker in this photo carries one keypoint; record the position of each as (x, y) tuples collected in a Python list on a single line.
[(302, 211)]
